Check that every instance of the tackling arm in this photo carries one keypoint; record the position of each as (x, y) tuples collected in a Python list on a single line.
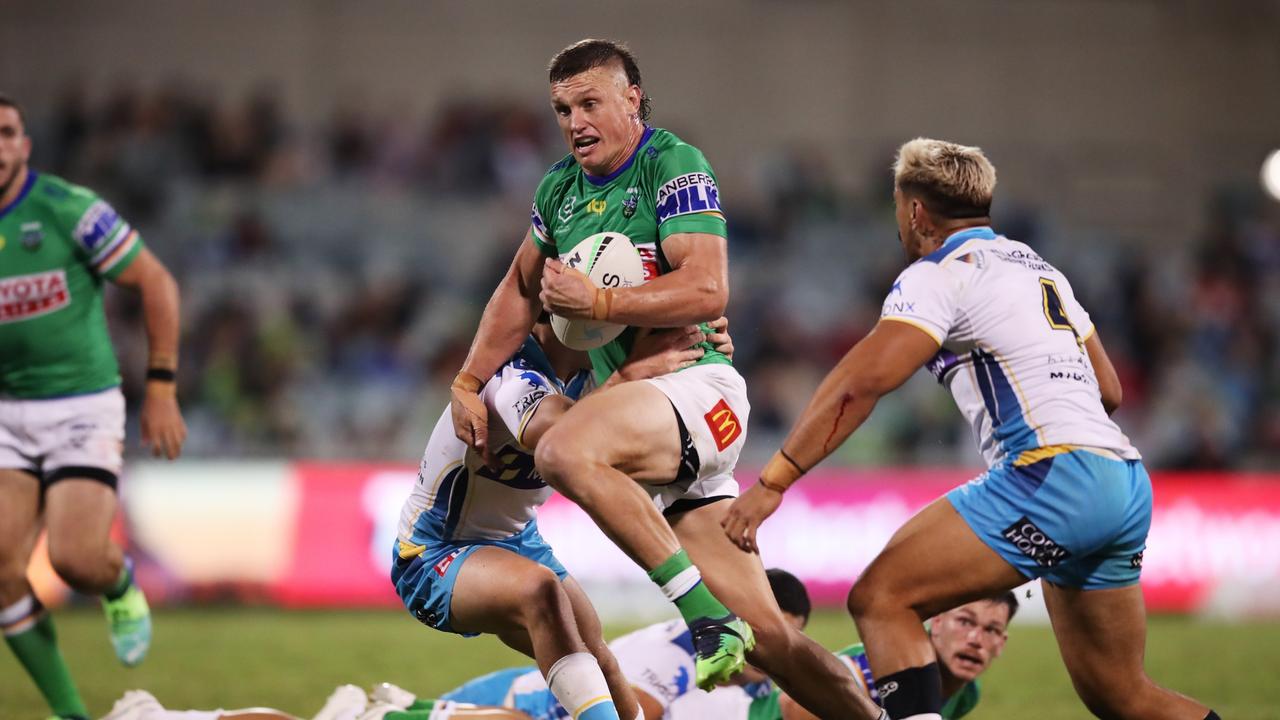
[(510, 313), (162, 425), (656, 353), (506, 322), (878, 364)]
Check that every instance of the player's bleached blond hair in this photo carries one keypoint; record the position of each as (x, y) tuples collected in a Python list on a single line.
[(954, 181)]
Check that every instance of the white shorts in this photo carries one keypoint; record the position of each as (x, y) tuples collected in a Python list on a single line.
[(711, 404), (77, 436)]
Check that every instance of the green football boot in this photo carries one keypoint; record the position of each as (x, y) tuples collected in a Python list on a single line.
[(720, 646), (129, 620)]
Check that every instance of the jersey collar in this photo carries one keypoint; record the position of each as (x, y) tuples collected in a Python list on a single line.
[(606, 179), (22, 194), (955, 240)]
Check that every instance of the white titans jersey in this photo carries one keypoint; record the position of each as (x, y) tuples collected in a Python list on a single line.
[(456, 497), (659, 660), (1012, 345)]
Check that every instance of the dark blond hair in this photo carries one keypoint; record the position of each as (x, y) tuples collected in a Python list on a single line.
[(954, 181)]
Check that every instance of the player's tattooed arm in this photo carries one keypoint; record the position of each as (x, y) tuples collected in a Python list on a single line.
[(880, 362)]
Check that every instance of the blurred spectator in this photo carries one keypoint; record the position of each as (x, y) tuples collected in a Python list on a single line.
[(324, 314)]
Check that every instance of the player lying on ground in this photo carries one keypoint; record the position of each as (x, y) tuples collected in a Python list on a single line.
[(658, 661), (347, 702), (966, 641), (1066, 497), (61, 410), (649, 461), (469, 558)]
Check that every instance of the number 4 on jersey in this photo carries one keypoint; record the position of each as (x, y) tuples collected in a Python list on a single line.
[(1054, 311)]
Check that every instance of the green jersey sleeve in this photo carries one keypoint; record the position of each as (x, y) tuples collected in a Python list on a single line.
[(100, 237), (963, 702), (687, 196), (545, 204)]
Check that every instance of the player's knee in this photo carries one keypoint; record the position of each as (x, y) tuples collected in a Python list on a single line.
[(13, 578), (554, 458), (82, 567), (860, 601), (543, 597)]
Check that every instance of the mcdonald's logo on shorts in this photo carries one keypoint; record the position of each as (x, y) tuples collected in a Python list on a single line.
[(724, 425)]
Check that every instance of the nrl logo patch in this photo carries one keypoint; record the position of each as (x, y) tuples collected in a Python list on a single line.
[(566, 210), (32, 235)]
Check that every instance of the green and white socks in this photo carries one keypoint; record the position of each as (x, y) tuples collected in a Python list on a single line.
[(682, 584), (28, 631)]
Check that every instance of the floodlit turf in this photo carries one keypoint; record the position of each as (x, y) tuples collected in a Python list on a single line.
[(236, 657)]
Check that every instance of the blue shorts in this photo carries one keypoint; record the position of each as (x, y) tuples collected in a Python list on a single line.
[(425, 582), (1077, 519)]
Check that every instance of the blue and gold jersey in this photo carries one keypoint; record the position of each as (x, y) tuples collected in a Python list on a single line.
[(456, 496)]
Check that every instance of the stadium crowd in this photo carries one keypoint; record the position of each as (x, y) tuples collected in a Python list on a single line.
[(332, 274)]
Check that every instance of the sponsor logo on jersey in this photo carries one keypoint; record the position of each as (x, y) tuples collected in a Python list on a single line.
[(649, 258), (28, 296), (539, 227), (686, 195), (897, 287), (96, 224), (724, 425), (1035, 544), (32, 235), (522, 405), (631, 202), (1025, 258), (597, 206), (1, 242), (897, 308), (942, 363), (566, 210), (442, 567), (1135, 562)]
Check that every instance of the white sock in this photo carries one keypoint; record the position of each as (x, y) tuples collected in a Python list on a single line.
[(578, 683), (20, 616), (682, 583)]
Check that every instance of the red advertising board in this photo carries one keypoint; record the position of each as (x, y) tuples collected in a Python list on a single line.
[(1211, 548)]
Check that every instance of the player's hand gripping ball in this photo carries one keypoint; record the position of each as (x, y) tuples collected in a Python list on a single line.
[(604, 260)]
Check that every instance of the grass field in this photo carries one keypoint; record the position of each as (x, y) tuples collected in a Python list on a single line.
[(236, 657)]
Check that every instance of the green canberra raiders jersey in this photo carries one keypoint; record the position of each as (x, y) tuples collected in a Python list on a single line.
[(58, 242), (665, 187), (855, 659)]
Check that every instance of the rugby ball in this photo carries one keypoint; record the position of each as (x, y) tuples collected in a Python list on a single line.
[(610, 260)]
